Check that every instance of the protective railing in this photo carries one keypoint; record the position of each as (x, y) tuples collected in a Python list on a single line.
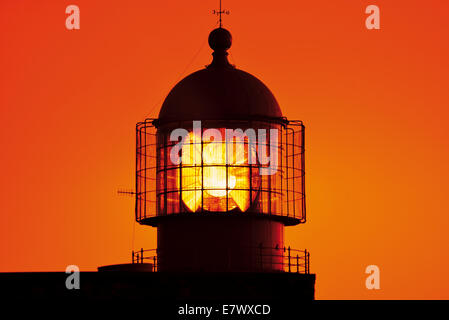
[(145, 256), (269, 259)]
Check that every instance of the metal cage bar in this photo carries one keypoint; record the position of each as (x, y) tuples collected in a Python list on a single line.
[(161, 188)]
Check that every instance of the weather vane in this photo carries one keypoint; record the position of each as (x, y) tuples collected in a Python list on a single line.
[(220, 12)]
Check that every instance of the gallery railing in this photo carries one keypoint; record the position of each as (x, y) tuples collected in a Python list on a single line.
[(277, 259)]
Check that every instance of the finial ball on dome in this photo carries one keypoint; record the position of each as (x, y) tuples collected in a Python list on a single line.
[(220, 39)]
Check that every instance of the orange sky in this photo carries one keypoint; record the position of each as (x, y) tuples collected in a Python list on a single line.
[(375, 104)]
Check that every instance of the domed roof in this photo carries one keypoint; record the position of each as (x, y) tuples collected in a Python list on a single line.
[(219, 92)]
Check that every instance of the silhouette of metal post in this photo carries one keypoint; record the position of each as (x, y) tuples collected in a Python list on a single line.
[(219, 13), (306, 261), (289, 259)]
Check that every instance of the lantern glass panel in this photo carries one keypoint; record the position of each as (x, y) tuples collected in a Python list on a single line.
[(215, 174)]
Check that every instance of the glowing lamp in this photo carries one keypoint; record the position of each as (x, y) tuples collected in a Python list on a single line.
[(225, 181)]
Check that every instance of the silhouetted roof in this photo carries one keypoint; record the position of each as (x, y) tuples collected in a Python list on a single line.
[(219, 91)]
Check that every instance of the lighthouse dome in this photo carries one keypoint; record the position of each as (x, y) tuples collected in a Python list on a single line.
[(220, 91)]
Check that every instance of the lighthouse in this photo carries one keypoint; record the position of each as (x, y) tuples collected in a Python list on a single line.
[(220, 174)]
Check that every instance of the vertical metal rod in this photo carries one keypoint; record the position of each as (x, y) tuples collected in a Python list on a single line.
[(286, 170), (306, 262), (268, 138), (289, 269), (141, 255), (136, 206), (294, 174), (132, 255), (250, 185), (303, 173), (227, 169), (181, 186), (202, 169), (281, 177), (250, 165), (297, 263), (145, 170), (220, 13), (165, 171)]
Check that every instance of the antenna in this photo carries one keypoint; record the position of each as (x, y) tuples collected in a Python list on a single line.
[(219, 13), (126, 192)]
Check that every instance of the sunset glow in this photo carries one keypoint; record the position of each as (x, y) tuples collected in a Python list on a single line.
[(213, 176), (375, 104)]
